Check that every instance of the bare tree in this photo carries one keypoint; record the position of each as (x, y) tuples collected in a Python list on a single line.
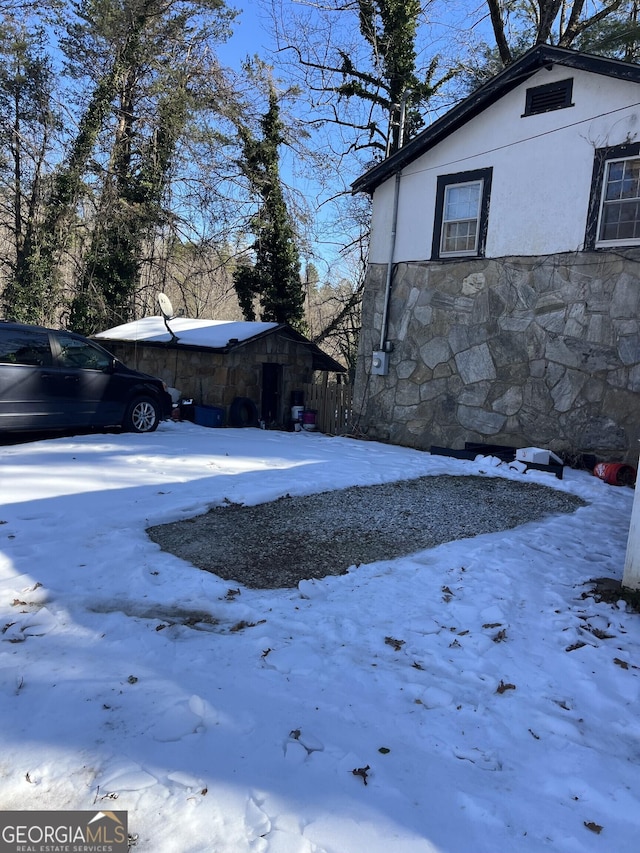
[(560, 22), (27, 126)]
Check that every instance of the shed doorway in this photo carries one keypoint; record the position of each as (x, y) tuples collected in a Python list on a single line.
[(270, 411)]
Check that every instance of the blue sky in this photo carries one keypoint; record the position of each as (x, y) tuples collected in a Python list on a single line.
[(252, 36), (249, 37)]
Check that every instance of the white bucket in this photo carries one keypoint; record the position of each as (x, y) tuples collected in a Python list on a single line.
[(296, 414)]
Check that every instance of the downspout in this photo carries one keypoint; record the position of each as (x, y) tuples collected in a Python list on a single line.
[(384, 344), (392, 247)]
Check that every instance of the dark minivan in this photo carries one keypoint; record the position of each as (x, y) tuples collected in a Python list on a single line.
[(57, 380)]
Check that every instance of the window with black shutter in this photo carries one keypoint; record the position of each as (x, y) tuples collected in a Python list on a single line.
[(461, 214)]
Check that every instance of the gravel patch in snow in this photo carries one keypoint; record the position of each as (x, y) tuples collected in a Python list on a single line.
[(277, 544)]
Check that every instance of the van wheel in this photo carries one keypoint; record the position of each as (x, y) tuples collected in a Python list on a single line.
[(143, 415)]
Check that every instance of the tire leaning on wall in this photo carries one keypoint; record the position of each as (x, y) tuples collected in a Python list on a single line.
[(243, 413)]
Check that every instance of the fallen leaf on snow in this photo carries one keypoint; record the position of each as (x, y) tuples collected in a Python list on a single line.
[(363, 772)]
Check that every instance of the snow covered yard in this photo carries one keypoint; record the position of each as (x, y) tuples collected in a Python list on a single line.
[(464, 699)]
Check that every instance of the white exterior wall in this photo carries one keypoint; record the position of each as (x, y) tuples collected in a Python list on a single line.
[(542, 170)]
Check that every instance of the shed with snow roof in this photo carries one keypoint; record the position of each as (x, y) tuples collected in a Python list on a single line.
[(252, 370)]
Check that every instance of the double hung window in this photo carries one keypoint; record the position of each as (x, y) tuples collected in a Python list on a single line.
[(620, 211), (614, 206), (462, 205), (460, 219)]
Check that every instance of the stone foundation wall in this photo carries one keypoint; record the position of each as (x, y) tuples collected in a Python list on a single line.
[(541, 351)]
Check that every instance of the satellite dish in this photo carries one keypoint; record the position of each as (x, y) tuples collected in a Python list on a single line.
[(167, 313), (165, 306)]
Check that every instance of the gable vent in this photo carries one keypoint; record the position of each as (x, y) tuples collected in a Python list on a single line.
[(553, 96)]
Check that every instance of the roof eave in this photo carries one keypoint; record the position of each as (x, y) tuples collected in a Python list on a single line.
[(536, 58), (323, 362), (320, 360)]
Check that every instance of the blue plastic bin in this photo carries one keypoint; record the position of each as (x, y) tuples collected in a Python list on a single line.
[(209, 416)]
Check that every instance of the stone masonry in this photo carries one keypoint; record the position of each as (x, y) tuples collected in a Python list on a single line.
[(522, 351)]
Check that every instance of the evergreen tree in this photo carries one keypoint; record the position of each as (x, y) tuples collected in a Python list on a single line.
[(389, 27), (274, 278), (152, 101), (66, 186)]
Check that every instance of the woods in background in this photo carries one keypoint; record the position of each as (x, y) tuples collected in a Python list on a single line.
[(132, 161)]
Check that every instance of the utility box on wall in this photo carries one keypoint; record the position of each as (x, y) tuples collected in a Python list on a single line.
[(380, 363)]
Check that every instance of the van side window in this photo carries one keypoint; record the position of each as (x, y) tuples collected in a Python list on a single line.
[(76, 353), (25, 347)]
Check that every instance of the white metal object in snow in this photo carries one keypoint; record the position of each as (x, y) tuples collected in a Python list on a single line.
[(538, 455)]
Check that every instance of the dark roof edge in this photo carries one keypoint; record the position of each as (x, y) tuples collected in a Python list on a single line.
[(523, 68), (105, 342)]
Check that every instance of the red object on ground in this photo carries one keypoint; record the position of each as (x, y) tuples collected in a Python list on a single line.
[(616, 473)]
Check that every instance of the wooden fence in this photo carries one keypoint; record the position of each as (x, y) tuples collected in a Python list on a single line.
[(332, 402)]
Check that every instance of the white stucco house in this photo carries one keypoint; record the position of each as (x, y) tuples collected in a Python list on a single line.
[(503, 290)]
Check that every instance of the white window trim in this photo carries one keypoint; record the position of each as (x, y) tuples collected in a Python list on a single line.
[(467, 252), (629, 241)]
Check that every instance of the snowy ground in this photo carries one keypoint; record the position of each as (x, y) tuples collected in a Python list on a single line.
[(487, 706)]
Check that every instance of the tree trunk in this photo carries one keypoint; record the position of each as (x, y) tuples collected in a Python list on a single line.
[(498, 30)]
